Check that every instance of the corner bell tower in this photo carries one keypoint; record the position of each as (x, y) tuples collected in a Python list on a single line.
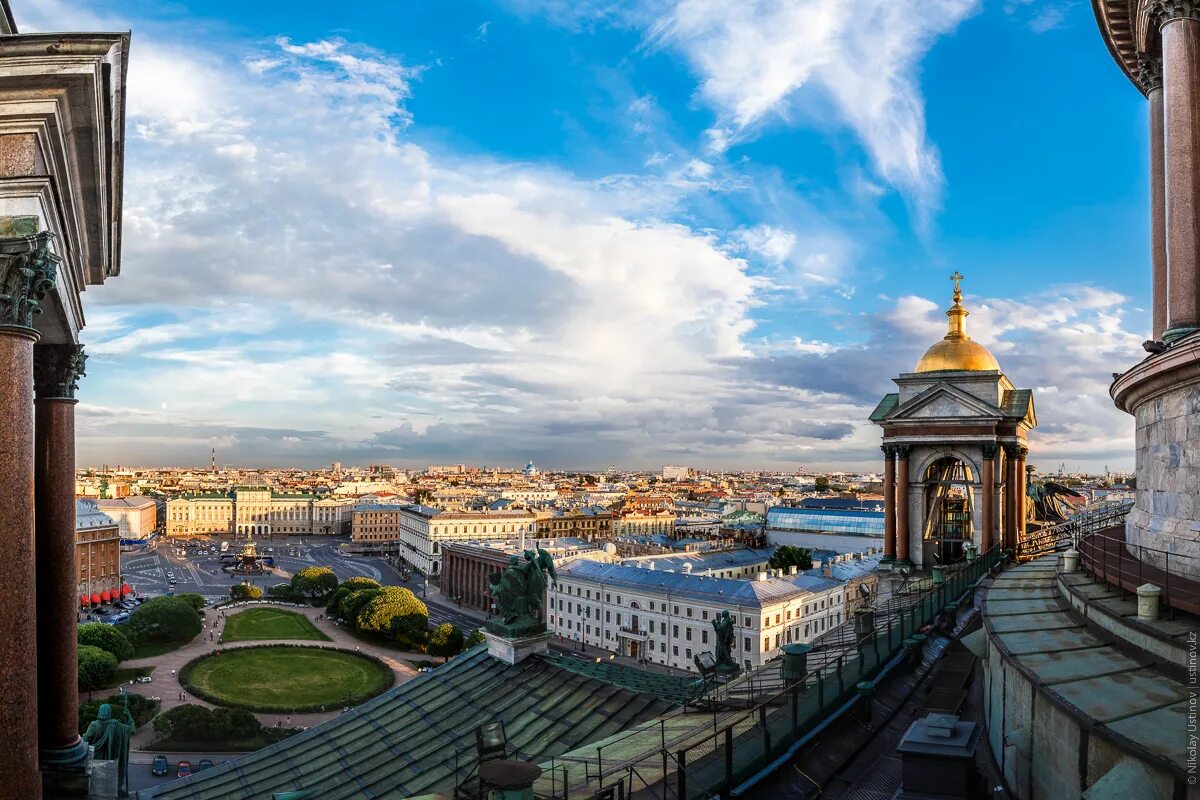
[(954, 448)]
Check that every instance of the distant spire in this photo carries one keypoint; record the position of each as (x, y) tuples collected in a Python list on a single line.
[(213, 463)]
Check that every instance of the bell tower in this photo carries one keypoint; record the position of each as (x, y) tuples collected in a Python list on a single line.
[(954, 448)]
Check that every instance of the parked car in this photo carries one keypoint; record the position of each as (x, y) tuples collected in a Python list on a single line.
[(205, 763), (143, 679), (159, 766), (184, 769), (119, 618)]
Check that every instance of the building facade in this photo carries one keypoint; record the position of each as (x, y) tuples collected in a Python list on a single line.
[(666, 618), (136, 516), (644, 523), (467, 567), (590, 522), (257, 512), (98, 554), (416, 533)]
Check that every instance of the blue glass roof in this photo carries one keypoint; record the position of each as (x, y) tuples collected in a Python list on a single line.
[(820, 520)]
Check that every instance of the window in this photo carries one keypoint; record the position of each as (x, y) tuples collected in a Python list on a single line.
[(675, 631), (662, 646), (776, 619), (704, 636), (689, 611), (675, 650), (746, 645), (766, 643), (676, 611), (663, 628), (688, 634), (607, 597), (607, 615), (748, 623), (568, 607), (704, 614), (689, 654)]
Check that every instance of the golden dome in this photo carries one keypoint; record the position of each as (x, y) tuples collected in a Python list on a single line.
[(957, 351)]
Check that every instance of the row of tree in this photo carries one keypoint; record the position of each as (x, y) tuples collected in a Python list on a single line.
[(164, 619), (393, 613)]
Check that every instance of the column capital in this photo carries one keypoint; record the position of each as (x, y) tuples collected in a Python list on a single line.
[(57, 369), (1149, 75), (901, 451), (1013, 451), (27, 273), (889, 452), (1164, 11), (989, 451)]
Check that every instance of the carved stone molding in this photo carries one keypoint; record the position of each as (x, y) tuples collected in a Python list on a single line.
[(57, 369), (989, 451), (1149, 74), (889, 452), (901, 451), (1164, 11), (27, 273)]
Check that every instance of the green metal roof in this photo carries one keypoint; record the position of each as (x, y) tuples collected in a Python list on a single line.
[(889, 402), (675, 689), (1016, 403), (403, 743)]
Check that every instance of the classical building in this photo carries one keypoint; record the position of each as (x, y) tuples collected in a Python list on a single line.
[(258, 512), (954, 443), (62, 134), (467, 567), (136, 515), (643, 523), (666, 617), (98, 553), (585, 522), (416, 533)]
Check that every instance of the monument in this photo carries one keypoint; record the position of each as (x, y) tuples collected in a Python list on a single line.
[(954, 452), (110, 738), (518, 631)]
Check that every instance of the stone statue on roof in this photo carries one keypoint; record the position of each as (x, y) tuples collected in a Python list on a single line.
[(110, 737), (520, 593), (723, 648)]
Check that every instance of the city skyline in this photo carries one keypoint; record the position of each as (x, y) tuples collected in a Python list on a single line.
[(413, 241)]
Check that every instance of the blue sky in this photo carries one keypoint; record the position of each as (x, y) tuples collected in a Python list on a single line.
[(674, 231)]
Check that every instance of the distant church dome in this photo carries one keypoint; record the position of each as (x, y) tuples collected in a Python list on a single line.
[(957, 351)]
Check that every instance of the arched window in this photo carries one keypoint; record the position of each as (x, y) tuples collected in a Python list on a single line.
[(948, 506)]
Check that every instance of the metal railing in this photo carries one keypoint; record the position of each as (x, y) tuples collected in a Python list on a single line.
[(698, 755), (1127, 566), (1068, 534)]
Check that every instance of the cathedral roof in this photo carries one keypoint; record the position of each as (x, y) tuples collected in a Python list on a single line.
[(957, 351)]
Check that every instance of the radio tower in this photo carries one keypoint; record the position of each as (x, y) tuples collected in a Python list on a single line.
[(213, 464)]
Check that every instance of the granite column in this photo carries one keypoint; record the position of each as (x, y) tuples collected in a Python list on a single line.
[(1179, 22), (988, 510), (901, 503), (27, 272), (1008, 539), (889, 504), (1150, 79), (57, 369)]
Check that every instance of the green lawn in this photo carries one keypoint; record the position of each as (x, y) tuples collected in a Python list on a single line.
[(270, 623), (286, 678)]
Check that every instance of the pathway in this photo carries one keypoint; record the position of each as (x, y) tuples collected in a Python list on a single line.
[(166, 686)]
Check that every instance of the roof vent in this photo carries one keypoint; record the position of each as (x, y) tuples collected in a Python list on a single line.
[(793, 569), (762, 576), (687, 568)]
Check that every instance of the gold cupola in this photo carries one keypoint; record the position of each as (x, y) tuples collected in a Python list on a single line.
[(957, 351)]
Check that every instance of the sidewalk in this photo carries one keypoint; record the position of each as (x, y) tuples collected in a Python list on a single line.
[(166, 686)]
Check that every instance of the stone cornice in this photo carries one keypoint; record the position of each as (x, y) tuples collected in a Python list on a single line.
[(1177, 366), (57, 369), (27, 273)]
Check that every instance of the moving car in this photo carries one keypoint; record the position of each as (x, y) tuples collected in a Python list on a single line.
[(159, 766), (204, 764), (184, 769)]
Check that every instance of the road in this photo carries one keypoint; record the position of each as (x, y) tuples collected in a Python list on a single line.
[(147, 572)]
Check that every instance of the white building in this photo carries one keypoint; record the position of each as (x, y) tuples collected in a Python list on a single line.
[(675, 473), (136, 517), (417, 532), (667, 617), (529, 494), (644, 523), (257, 511)]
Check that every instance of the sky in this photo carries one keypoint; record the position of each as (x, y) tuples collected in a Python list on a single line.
[(594, 232)]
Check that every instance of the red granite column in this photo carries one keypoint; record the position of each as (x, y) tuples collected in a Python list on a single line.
[(1021, 496), (988, 510), (1008, 539), (57, 369), (27, 274), (1180, 29), (901, 502), (1150, 79), (889, 505)]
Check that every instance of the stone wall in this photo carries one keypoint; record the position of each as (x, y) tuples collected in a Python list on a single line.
[(1167, 513)]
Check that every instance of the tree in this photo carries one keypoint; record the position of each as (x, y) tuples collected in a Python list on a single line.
[(194, 600), (97, 667), (245, 591), (394, 612), (359, 582), (787, 555), (445, 640), (352, 604), (163, 619), (106, 637), (420, 495), (284, 593), (315, 583), (822, 484), (476, 637)]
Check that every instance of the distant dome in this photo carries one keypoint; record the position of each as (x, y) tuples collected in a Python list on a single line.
[(957, 351)]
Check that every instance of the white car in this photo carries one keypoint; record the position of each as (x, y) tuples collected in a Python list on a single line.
[(142, 679)]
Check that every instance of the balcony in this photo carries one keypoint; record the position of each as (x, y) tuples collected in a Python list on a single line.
[(633, 632)]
